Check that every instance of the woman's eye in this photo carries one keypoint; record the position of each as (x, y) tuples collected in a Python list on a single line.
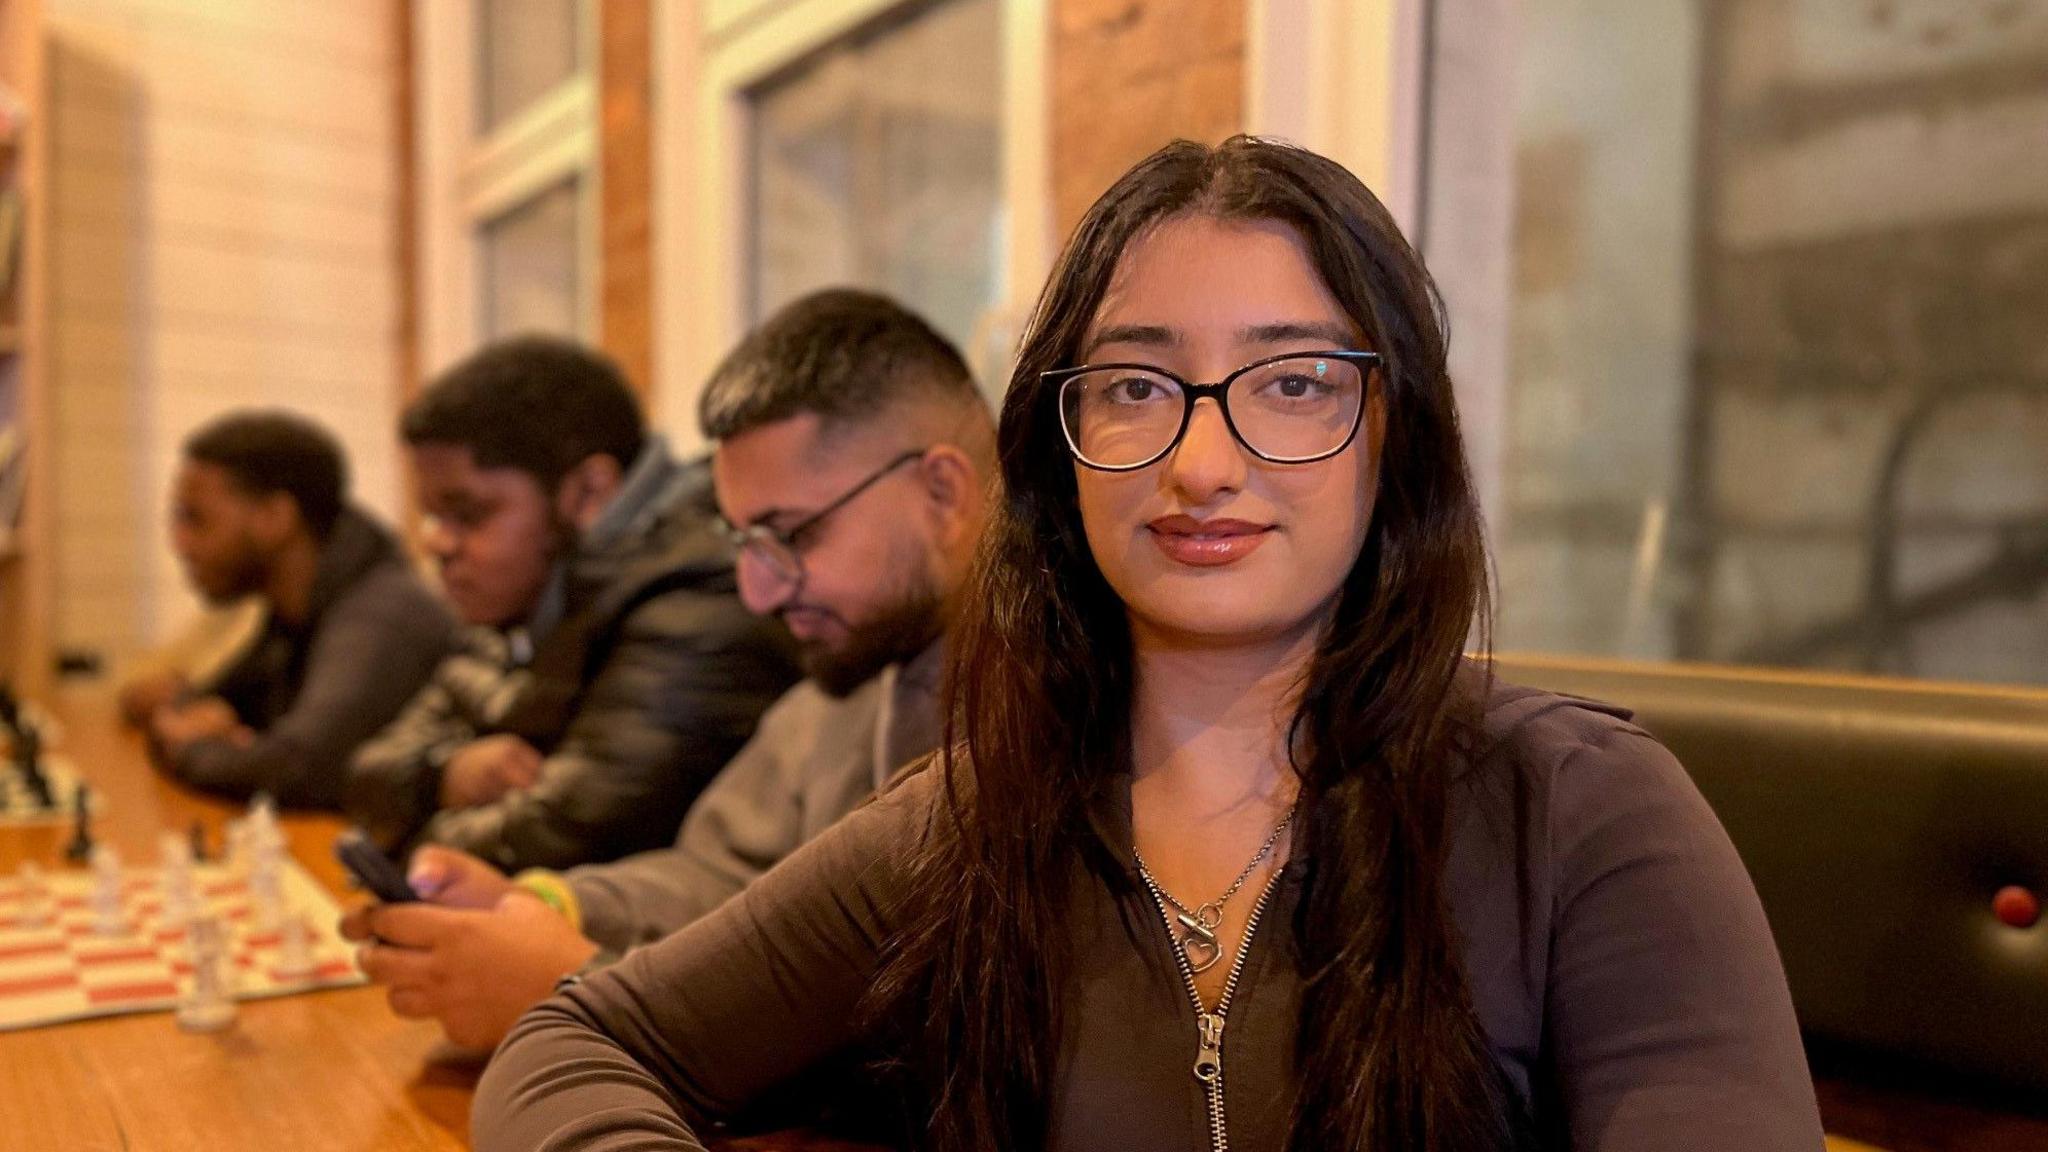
[(1133, 390), (1296, 387)]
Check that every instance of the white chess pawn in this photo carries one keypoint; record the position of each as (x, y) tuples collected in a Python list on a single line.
[(266, 893), (208, 1003), (295, 949), (265, 843), (108, 916), (264, 834), (234, 851), (180, 892), (35, 897)]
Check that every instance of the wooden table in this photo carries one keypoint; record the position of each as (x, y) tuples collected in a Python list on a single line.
[(322, 1070)]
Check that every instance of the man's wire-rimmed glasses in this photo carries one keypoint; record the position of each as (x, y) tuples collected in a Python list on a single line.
[(781, 550)]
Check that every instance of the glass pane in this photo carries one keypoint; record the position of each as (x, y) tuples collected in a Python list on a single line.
[(1776, 379), (529, 266), (877, 164), (525, 48)]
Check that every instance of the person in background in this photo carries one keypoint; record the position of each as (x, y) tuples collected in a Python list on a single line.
[(1229, 845), (260, 510), (853, 451), (558, 520), (195, 654)]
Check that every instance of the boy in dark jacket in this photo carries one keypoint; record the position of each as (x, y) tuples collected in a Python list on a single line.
[(624, 671)]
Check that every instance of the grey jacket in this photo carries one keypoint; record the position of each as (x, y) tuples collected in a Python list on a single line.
[(1618, 961), (813, 760), (315, 689), (647, 675)]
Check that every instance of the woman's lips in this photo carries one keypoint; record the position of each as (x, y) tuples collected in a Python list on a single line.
[(1207, 543)]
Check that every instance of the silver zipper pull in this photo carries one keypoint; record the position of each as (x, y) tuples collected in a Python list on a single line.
[(1209, 1058)]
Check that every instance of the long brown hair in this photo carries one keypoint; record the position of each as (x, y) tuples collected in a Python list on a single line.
[(1389, 1050)]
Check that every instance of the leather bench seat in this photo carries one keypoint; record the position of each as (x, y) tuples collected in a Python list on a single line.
[(1880, 821)]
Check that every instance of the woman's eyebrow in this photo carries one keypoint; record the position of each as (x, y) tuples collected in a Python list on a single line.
[(1336, 335), (1147, 335)]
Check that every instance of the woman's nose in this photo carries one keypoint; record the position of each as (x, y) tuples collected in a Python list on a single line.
[(1208, 460)]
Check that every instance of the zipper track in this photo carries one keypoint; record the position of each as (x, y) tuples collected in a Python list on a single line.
[(1209, 1025)]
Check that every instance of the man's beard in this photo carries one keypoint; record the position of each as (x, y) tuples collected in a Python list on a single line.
[(892, 636)]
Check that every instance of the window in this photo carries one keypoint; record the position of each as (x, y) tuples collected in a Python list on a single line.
[(1768, 333), (530, 264), (525, 50), (894, 144), (508, 171), (877, 162)]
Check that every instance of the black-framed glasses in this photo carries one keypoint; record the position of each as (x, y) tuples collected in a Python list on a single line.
[(781, 551), (1295, 408)]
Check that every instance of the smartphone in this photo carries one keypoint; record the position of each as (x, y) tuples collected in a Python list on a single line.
[(372, 868)]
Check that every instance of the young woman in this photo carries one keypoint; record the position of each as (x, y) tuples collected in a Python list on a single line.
[(1235, 848)]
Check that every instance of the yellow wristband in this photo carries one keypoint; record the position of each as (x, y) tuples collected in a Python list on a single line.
[(555, 892)]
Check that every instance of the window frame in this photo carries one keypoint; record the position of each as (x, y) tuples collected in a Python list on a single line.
[(467, 179), (708, 59)]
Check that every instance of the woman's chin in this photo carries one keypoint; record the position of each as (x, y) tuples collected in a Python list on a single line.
[(1186, 625)]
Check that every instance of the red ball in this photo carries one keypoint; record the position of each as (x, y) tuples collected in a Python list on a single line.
[(2016, 907)]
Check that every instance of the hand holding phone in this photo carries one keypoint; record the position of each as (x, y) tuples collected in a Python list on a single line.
[(372, 868)]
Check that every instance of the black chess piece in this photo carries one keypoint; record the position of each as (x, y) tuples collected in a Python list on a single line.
[(28, 759), (10, 723), (79, 849)]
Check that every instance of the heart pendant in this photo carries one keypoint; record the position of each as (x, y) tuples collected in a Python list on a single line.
[(1202, 951)]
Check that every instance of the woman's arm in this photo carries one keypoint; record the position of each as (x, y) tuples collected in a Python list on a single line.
[(1667, 1011), (693, 1029)]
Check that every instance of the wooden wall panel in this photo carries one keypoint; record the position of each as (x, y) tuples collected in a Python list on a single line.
[(225, 183), (626, 174)]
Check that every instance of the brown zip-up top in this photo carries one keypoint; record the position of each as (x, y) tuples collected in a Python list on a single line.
[(1628, 982)]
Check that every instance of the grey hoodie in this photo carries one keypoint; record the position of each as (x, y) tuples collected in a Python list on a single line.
[(315, 689)]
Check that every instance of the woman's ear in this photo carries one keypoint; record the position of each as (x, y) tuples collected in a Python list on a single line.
[(587, 489)]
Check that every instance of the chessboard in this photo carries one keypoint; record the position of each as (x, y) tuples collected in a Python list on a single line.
[(63, 969), (18, 804)]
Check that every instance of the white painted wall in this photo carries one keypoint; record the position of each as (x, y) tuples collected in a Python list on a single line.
[(222, 233)]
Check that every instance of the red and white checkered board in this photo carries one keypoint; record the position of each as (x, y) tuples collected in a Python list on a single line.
[(63, 970)]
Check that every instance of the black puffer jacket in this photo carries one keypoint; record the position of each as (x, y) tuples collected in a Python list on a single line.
[(651, 678)]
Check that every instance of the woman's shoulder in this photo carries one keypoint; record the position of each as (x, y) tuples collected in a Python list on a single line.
[(1539, 733), (1534, 722), (1580, 766), (909, 801)]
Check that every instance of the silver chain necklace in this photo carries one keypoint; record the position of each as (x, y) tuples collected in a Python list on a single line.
[(1198, 940)]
